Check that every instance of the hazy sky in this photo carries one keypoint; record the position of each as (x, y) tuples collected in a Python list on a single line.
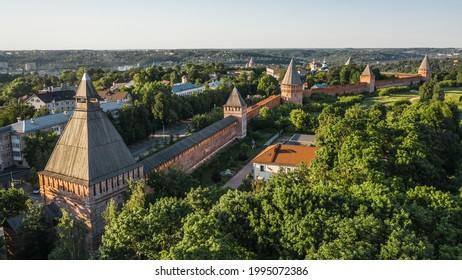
[(143, 24)]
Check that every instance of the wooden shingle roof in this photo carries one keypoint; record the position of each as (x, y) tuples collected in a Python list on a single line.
[(90, 148), (291, 77), (86, 89), (425, 65), (235, 100), (367, 71)]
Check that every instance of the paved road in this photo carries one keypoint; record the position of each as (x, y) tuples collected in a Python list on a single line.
[(159, 136), (236, 181), (17, 173)]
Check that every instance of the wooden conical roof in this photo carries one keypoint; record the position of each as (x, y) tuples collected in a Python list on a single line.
[(90, 149), (367, 71), (425, 65), (235, 99), (86, 89), (291, 77)]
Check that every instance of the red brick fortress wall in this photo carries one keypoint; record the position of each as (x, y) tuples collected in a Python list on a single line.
[(405, 81), (190, 158), (271, 102), (339, 90)]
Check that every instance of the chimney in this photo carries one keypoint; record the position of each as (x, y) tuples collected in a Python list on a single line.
[(276, 151), (32, 120)]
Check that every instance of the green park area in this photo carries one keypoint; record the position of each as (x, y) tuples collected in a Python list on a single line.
[(453, 94), (390, 100)]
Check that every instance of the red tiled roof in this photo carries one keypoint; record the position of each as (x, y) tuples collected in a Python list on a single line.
[(288, 155)]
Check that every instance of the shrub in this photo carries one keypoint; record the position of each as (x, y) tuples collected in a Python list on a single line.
[(392, 90)]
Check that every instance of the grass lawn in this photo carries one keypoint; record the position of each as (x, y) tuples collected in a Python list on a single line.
[(390, 100), (453, 94), (228, 157)]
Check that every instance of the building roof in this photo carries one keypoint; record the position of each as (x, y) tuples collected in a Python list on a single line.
[(47, 121), (112, 95), (48, 97), (39, 123), (214, 84), (4, 129), (367, 71), (182, 87), (172, 151), (51, 211), (90, 149), (112, 105), (235, 99), (425, 65), (286, 155), (14, 222), (321, 85), (86, 89), (122, 81), (302, 139), (292, 77)]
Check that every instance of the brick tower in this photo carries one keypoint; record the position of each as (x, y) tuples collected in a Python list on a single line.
[(425, 70), (292, 86), (368, 77), (236, 107), (90, 164)]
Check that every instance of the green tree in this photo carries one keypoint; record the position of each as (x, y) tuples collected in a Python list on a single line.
[(431, 90), (438, 93), (70, 242), (268, 85), (163, 226), (36, 236), (17, 88), (125, 230), (201, 240), (69, 76), (170, 183), (39, 148), (300, 119), (266, 116), (15, 111), (402, 243), (12, 203)]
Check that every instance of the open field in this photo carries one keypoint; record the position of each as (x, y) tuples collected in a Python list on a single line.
[(452, 94), (390, 100)]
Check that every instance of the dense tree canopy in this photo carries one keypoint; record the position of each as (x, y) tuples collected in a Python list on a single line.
[(385, 185)]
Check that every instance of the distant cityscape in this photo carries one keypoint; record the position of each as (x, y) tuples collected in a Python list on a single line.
[(53, 62)]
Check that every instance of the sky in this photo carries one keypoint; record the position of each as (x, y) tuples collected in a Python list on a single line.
[(183, 24)]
